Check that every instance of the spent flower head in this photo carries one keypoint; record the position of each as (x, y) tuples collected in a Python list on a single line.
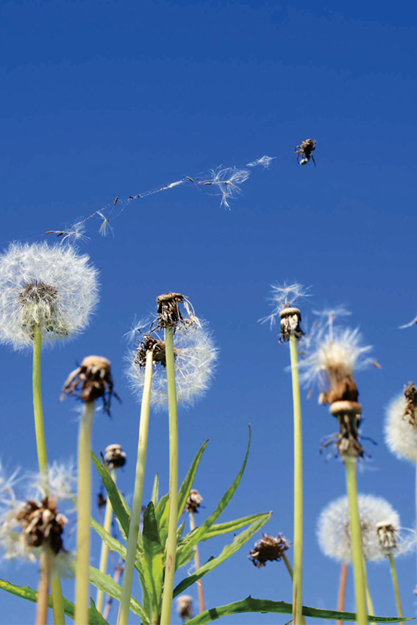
[(268, 549), (401, 424), (50, 287), (90, 381), (283, 299), (185, 607), (194, 501), (115, 457), (380, 525)]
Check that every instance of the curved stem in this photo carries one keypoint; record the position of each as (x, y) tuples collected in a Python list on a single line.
[(356, 538), (197, 565), (396, 586), (342, 591), (43, 588), (171, 545), (104, 546), (84, 515), (138, 493), (298, 487)]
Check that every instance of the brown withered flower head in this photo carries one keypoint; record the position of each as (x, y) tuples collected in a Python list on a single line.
[(150, 343), (282, 299), (115, 457), (410, 394), (42, 525), (169, 311), (194, 500), (90, 381), (346, 441), (290, 324), (268, 549), (185, 607), (387, 536)]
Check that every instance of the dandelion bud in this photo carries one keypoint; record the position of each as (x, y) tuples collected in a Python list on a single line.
[(379, 527), (401, 426), (115, 457), (268, 549), (47, 287), (194, 500), (90, 381), (185, 607)]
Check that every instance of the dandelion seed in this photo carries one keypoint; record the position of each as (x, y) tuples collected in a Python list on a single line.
[(229, 181), (408, 325), (284, 297), (50, 287), (265, 161), (333, 529)]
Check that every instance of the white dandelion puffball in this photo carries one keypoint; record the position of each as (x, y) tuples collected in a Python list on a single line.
[(400, 434), (195, 359), (333, 528), (52, 287)]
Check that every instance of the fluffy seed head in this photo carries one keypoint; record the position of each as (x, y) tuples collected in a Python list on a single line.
[(333, 529), (195, 358), (400, 430), (52, 287), (284, 297)]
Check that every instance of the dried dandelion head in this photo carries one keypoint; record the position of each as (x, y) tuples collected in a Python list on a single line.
[(268, 549), (194, 501), (52, 288), (185, 607), (283, 299), (115, 457), (174, 309), (401, 425), (90, 381), (380, 525), (195, 358)]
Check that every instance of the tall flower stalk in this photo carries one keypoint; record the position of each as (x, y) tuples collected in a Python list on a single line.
[(138, 491), (89, 382), (192, 505), (341, 597)]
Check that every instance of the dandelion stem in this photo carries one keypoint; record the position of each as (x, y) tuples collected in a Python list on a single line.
[(84, 514), (356, 538), (197, 566), (395, 584), (56, 589), (104, 546), (173, 480), (138, 493), (342, 591), (369, 603), (298, 487), (43, 588), (37, 401)]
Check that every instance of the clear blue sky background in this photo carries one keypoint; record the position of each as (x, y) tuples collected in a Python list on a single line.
[(103, 99)]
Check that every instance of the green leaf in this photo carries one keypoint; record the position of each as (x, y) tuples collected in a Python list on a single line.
[(281, 607), (24, 592), (201, 531), (113, 543), (228, 551), (153, 570), (155, 491), (120, 507)]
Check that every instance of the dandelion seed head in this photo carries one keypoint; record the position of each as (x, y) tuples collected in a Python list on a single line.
[(400, 433), (333, 528), (195, 360), (283, 297), (52, 287), (264, 161), (229, 181)]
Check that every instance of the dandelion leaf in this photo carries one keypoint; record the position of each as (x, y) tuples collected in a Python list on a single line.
[(153, 557)]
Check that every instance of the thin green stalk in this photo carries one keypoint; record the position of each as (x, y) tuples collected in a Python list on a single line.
[(395, 584), (43, 588), (84, 515), (298, 487), (197, 566), (369, 603), (356, 538), (288, 565), (104, 546), (171, 545), (56, 589), (138, 493)]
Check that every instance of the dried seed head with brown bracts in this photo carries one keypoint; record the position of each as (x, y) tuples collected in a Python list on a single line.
[(410, 394), (194, 501), (150, 343), (268, 549), (90, 381), (346, 441), (185, 607), (387, 536), (170, 314), (115, 457), (42, 525), (282, 299), (290, 324)]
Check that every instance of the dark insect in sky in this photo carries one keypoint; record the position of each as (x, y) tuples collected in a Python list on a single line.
[(305, 151)]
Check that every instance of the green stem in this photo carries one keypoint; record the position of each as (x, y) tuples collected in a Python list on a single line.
[(56, 589), (104, 546), (37, 402), (356, 539), (138, 493), (298, 487), (171, 544), (288, 565), (396, 586), (369, 603), (84, 515), (43, 588), (197, 566)]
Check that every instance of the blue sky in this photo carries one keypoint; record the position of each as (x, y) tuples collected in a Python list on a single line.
[(103, 99)]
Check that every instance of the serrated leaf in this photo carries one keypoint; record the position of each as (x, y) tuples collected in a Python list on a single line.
[(201, 531), (281, 607), (119, 505), (228, 551), (153, 557), (24, 592)]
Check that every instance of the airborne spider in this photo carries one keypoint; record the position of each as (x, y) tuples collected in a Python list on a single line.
[(305, 149)]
